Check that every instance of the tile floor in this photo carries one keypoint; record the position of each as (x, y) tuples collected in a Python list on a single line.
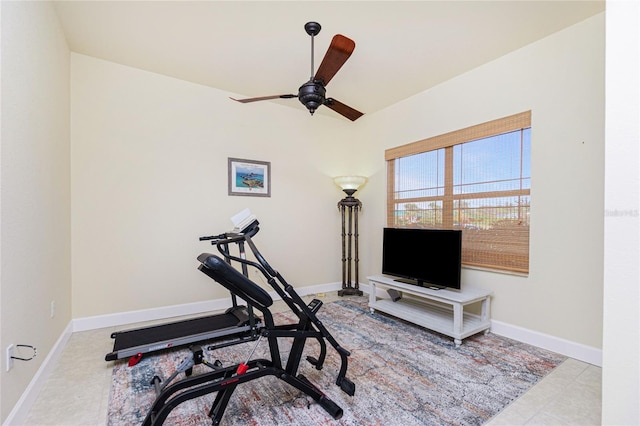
[(77, 392)]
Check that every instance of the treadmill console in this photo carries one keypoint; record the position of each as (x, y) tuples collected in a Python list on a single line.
[(314, 305)]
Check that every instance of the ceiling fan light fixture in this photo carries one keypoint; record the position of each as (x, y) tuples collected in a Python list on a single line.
[(312, 95)]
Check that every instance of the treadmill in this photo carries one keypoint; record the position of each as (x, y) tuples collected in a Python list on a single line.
[(238, 324)]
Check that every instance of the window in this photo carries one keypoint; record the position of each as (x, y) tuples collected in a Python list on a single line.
[(476, 179)]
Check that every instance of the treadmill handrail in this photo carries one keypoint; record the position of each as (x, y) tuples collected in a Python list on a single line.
[(260, 258)]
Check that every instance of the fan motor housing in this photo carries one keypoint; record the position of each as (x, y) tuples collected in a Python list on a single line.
[(312, 95)]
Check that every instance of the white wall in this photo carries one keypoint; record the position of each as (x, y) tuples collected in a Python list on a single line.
[(35, 199), (621, 345), (561, 79), (149, 176)]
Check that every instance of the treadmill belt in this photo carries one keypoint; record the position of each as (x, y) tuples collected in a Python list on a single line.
[(171, 331)]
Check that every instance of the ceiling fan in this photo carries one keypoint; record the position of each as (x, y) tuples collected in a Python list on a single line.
[(312, 93)]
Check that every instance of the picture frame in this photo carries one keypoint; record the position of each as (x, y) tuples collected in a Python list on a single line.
[(249, 177)]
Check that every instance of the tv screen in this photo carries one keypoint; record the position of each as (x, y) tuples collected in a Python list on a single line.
[(425, 257)]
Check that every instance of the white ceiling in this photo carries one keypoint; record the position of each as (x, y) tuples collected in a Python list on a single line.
[(260, 48)]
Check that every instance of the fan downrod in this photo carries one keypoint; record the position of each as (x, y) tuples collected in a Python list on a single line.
[(312, 28)]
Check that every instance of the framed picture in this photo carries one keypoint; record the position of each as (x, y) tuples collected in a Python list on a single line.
[(249, 177)]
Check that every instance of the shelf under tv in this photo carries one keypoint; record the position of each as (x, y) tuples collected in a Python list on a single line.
[(438, 310)]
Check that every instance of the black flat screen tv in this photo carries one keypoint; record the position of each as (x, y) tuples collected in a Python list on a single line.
[(424, 257)]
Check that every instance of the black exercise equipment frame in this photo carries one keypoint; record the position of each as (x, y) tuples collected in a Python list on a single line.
[(224, 381)]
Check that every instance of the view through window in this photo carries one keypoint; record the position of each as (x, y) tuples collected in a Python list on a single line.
[(477, 179)]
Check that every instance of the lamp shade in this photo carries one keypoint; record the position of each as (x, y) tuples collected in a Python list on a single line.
[(350, 182)]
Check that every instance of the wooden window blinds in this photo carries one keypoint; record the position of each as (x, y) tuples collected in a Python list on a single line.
[(476, 179)]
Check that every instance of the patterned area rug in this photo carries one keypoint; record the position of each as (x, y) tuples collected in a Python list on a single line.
[(404, 375)]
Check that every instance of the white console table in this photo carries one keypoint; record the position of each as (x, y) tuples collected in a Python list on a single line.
[(438, 310)]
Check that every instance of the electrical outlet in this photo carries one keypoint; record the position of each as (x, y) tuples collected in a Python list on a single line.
[(53, 308), (9, 357)]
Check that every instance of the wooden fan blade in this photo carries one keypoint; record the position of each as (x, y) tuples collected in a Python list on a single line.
[(343, 109), (263, 98), (339, 51)]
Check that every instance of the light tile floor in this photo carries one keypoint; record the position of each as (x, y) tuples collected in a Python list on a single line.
[(77, 392)]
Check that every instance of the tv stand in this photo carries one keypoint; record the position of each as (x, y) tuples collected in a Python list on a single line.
[(439, 310)]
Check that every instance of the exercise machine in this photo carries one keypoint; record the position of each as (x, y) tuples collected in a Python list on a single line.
[(238, 324), (223, 381)]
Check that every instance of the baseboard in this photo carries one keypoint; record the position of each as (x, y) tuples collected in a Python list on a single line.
[(153, 314), (166, 312), (317, 289), (568, 348), (18, 414)]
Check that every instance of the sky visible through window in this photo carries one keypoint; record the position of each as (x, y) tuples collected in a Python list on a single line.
[(494, 164), (498, 163)]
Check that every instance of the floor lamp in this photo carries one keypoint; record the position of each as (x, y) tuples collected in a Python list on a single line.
[(349, 208)]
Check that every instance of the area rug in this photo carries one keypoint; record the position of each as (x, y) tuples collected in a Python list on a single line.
[(404, 375)]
